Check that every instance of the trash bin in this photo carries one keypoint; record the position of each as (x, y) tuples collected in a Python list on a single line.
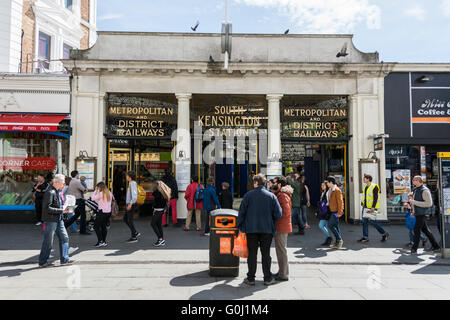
[(222, 263)]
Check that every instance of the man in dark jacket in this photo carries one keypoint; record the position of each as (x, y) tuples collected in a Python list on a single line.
[(258, 213), (39, 190), (170, 181), (225, 196), (52, 215)]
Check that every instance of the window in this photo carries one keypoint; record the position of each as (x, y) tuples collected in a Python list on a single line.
[(68, 4), (44, 50), (66, 51)]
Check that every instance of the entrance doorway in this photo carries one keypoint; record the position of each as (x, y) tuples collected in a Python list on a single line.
[(118, 165)]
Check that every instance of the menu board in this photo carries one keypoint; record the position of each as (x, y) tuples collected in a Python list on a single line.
[(445, 176), (402, 181), (86, 168)]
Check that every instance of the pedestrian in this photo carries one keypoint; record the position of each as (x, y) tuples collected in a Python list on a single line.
[(283, 192), (104, 199), (336, 208), (258, 213), (171, 182), (296, 214), (131, 208), (250, 181), (83, 182), (194, 203), (77, 190), (270, 185), (304, 201), (323, 214), (420, 203), (210, 202), (410, 223), (39, 190), (225, 197), (370, 206), (73, 227), (52, 215), (162, 196)]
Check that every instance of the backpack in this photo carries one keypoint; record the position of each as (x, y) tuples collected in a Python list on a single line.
[(142, 194), (199, 194)]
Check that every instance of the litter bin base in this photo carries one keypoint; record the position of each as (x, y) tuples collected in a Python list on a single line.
[(229, 272)]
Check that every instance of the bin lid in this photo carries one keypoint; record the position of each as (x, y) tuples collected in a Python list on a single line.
[(224, 212)]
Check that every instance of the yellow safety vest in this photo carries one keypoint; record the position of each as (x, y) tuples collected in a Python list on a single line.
[(369, 196)]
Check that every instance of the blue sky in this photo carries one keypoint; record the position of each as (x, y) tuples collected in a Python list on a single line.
[(400, 30)]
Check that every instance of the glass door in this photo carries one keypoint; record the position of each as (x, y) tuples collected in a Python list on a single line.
[(119, 162)]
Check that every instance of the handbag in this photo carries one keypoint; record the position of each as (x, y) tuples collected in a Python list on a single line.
[(240, 248), (114, 207)]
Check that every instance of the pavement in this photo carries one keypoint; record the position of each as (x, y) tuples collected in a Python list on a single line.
[(375, 270)]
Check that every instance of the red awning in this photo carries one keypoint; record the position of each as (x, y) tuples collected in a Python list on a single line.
[(30, 122)]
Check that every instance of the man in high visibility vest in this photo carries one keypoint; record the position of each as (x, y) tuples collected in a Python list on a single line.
[(370, 206)]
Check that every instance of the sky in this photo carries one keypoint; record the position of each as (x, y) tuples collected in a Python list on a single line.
[(399, 30)]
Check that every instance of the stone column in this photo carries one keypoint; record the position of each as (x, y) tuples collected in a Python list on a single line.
[(274, 138), (183, 152)]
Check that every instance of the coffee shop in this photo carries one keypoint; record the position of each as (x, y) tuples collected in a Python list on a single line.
[(159, 102)]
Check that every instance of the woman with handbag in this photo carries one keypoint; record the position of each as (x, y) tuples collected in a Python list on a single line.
[(104, 199), (160, 205)]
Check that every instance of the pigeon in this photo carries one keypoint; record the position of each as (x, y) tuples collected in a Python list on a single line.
[(211, 59), (286, 32), (343, 51), (196, 25)]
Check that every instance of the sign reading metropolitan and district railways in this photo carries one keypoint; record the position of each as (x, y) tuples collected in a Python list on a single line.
[(430, 106), (314, 122), (140, 121)]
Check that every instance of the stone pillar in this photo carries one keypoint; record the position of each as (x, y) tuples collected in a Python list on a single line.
[(273, 136), (183, 152)]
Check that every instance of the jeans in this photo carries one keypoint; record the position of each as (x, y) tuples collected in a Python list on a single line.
[(377, 226), (157, 223), (411, 236), (421, 225), (50, 229), (297, 217), (323, 225), (101, 220), (80, 211), (333, 224), (263, 241), (207, 225), (303, 214), (128, 218)]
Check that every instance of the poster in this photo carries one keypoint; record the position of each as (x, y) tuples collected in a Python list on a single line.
[(423, 164), (402, 181), (87, 169), (183, 174), (274, 169)]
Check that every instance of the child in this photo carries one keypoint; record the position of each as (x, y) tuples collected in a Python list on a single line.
[(225, 197), (410, 223), (83, 181)]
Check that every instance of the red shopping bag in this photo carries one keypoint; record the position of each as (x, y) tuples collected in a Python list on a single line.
[(240, 248)]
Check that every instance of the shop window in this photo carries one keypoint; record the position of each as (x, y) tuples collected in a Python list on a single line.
[(44, 51), (23, 156), (68, 4)]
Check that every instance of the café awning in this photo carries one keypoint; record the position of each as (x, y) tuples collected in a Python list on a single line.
[(30, 122)]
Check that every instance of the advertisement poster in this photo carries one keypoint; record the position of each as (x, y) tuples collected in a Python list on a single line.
[(446, 186), (183, 175), (423, 163), (402, 181), (87, 169)]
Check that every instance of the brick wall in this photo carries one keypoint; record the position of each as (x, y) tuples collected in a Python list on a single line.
[(84, 43), (28, 26), (85, 10)]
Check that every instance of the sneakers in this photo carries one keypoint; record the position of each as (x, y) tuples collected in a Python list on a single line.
[(38, 223), (337, 245), (45, 265), (98, 245), (278, 278), (137, 235), (249, 282), (413, 252), (207, 234), (67, 262), (101, 244), (271, 281), (363, 240), (131, 240), (160, 243), (385, 237)]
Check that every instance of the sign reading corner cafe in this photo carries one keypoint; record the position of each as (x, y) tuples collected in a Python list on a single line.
[(323, 121), (138, 117)]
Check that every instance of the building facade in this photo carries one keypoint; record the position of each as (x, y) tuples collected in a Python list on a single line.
[(311, 110)]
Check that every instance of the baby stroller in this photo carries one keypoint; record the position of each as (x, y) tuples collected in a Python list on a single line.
[(93, 206)]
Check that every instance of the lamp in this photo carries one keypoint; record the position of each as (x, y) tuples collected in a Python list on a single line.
[(373, 157), (83, 155)]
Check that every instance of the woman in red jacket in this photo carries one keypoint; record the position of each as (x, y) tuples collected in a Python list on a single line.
[(193, 205)]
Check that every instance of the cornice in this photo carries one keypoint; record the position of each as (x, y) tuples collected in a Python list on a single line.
[(96, 67)]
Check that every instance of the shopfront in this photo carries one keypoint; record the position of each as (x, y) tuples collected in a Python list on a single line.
[(34, 138), (272, 110), (418, 124)]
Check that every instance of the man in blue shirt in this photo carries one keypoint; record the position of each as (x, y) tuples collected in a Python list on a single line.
[(258, 213)]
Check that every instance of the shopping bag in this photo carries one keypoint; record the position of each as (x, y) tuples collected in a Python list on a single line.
[(370, 215), (240, 248)]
